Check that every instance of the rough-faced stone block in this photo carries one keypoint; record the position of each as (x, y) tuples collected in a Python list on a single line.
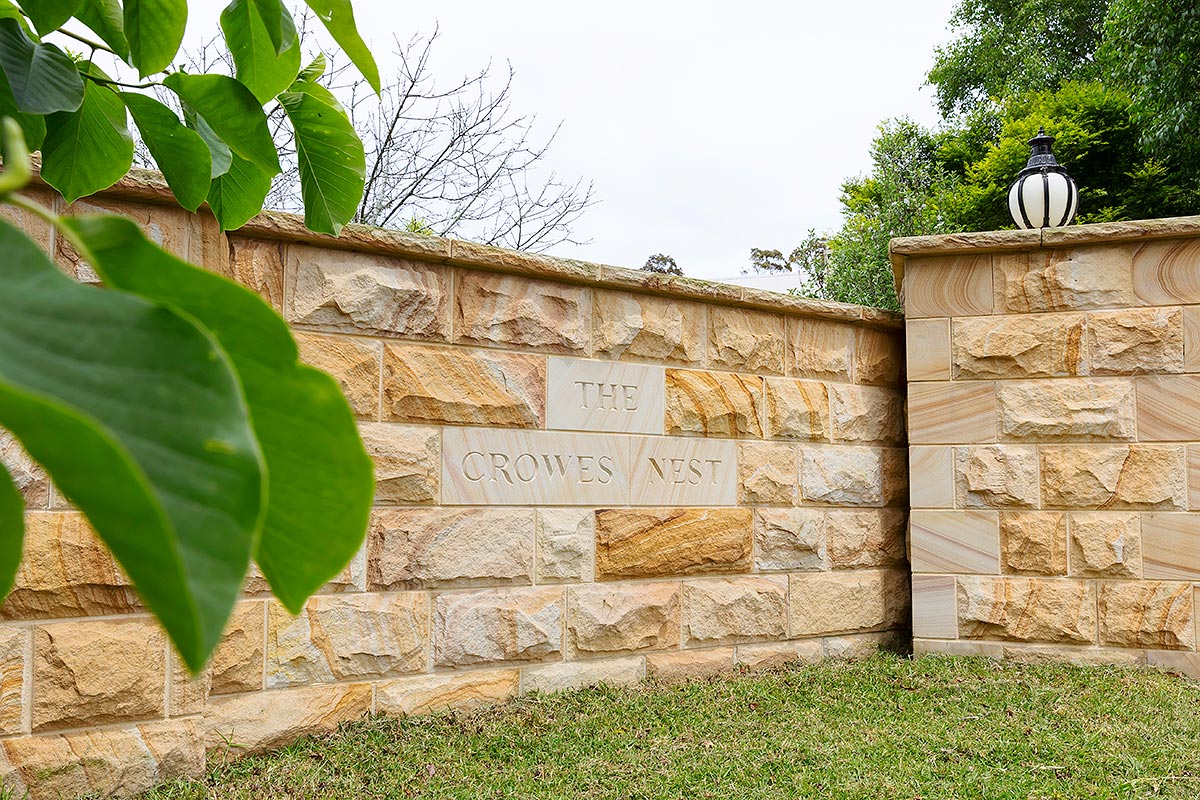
[(773, 655), (353, 363), (237, 663), (367, 293), (865, 538), (713, 404), (744, 340), (1026, 609), (1135, 341), (731, 610), (689, 665), (12, 678), (609, 619), (1114, 476), (850, 476), (1018, 346), (1167, 271), (492, 309), (427, 694), (859, 646), (820, 349), (996, 476), (954, 541), (407, 461), (846, 602), (1171, 546), (951, 413), (797, 410), (1033, 542), (97, 672), (458, 386), (1156, 614), (927, 349), (767, 473), (877, 357), (247, 723), (26, 474), (1106, 545), (646, 542), (257, 264), (1065, 280), (948, 286), (497, 625), (866, 414), (931, 477), (547, 678), (413, 548), (1168, 408), (187, 695), (934, 607), (565, 544), (644, 327), (1087, 410), (790, 539)]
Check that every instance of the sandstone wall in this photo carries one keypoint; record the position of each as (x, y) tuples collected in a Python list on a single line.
[(734, 494), (1054, 422)]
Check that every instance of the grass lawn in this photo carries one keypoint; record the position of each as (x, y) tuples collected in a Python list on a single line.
[(883, 728)]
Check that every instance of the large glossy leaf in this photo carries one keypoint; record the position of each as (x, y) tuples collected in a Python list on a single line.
[(338, 18), (154, 29), (107, 20), (49, 15), (42, 77), (278, 23), (264, 72), (89, 149), (218, 151), (329, 154), (12, 530), (232, 112), (33, 126), (178, 150), (138, 416), (238, 194), (320, 483)]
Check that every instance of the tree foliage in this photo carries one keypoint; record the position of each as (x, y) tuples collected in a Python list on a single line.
[(663, 264)]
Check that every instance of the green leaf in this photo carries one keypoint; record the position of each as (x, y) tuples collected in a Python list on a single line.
[(49, 15), (338, 18), (329, 154), (218, 151), (12, 530), (138, 416), (154, 29), (89, 149), (264, 72), (238, 194), (8, 10), (178, 150), (278, 23), (42, 77), (314, 70), (107, 20), (232, 112), (32, 125), (320, 481)]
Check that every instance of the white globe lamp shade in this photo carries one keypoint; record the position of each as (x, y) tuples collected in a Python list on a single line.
[(1043, 195)]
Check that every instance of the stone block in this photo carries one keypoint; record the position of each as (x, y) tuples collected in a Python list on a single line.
[(996, 476), (493, 310), (934, 607), (865, 538), (1078, 655), (797, 410), (860, 646), (348, 637), (931, 477), (548, 678), (668, 470), (242, 724), (355, 292), (1158, 614), (866, 414), (645, 542), (458, 386), (1135, 341), (954, 541), (257, 264), (498, 625), (427, 694), (1179, 662), (66, 571), (1114, 476), (13, 641), (1105, 545), (952, 413), (1193, 476), (774, 655), (26, 474), (927, 349), (590, 395), (1167, 271), (1168, 408), (565, 544), (820, 349), (743, 340), (98, 672), (731, 610), (1033, 542), (187, 695), (713, 404), (948, 286), (610, 619), (851, 476), (877, 357), (644, 327), (846, 602), (407, 461), (957, 647), (1064, 280), (353, 363), (1018, 346), (1087, 410), (790, 539), (418, 547), (689, 665), (237, 663), (1026, 609), (1171, 546), (767, 473)]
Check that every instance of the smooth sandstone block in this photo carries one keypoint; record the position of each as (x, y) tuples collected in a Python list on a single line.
[(1065, 280), (353, 363), (871, 537), (1156, 614), (842, 475), (644, 327), (237, 663), (846, 602), (682, 472), (492, 310), (1026, 609), (931, 482), (731, 610), (948, 286), (1105, 545), (927, 349), (1168, 408), (1135, 341), (257, 264), (566, 540), (585, 395), (797, 410), (498, 625), (1018, 346), (934, 607), (819, 349), (419, 547), (767, 473), (365, 293), (996, 476), (787, 539), (877, 357), (408, 461), (1193, 476), (12, 678), (1086, 410), (548, 678), (611, 619), (458, 386), (427, 694), (1114, 477), (1191, 339), (242, 724), (1033, 542), (954, 541), (866, 414), (1171, 546), (643, 543), (1078, 655), (952, 413), (689, 665), (26, 474), (1166, 272), (743, 340), (713, 404)]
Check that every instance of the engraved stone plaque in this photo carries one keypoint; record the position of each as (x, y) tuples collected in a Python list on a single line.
[(675, 471), (511, 467), (586, 395)]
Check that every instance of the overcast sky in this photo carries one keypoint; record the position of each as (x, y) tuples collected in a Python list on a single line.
[(708, 128)]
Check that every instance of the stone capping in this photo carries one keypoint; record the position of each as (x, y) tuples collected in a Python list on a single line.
[(149, 187)]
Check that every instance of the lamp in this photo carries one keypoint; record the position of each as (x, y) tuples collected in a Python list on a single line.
[(1043, 195)]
